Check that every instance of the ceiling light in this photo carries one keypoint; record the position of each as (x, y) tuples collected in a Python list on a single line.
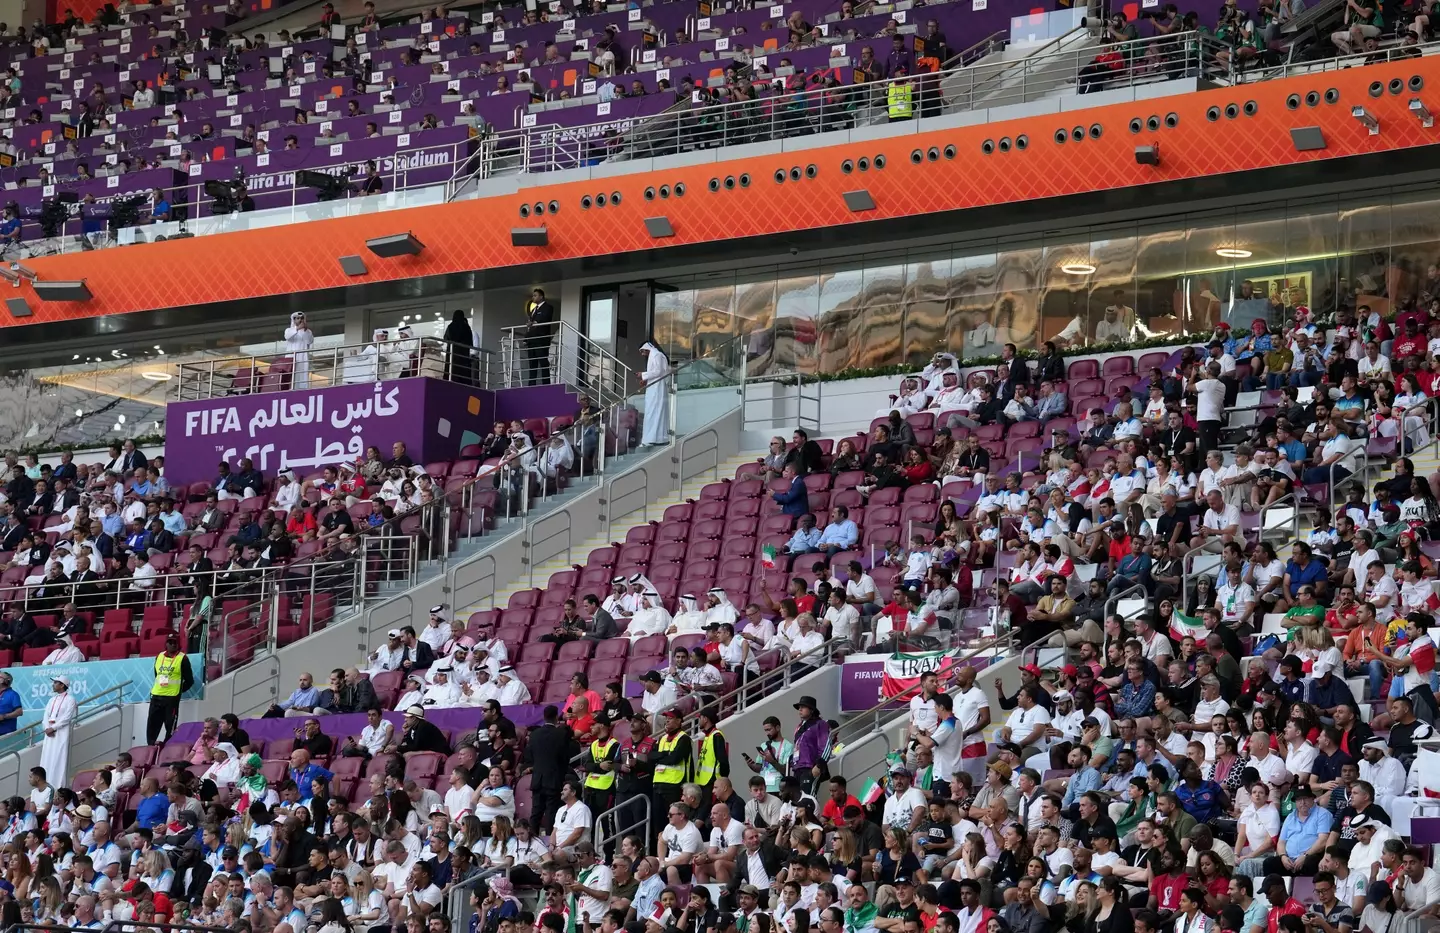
[(155, 376), (1231, 252), (1077, 268)]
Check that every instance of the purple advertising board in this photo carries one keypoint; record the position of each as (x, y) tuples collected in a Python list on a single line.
[(309, 429)]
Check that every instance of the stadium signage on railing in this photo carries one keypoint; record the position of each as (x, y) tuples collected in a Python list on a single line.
[(309, 429)]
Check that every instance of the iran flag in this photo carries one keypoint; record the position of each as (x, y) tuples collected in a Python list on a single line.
[(903, 671), (1182, 625)]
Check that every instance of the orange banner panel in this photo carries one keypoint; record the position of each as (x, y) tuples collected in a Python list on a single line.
[(1215, 132)]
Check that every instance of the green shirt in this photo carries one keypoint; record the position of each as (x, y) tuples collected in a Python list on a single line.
[(858, 920)]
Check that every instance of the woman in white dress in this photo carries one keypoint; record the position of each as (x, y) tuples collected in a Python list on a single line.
[(298, 340), (657, 384)]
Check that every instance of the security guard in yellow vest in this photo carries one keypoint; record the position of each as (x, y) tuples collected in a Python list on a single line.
[(600, 770), (712, 758), (900, 98), (674, 760), (173, 677)]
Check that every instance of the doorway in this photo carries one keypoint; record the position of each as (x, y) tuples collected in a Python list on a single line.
[(619, 319)]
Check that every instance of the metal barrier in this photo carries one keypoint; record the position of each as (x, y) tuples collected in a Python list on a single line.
[(323, 367), (558, 353), (111, 698), (781, 397), (1127, 593), (789, 669)]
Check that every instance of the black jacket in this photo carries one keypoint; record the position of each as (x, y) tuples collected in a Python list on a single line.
[(539, 317), (770, 856), (807, 457), (423, 737), (548, 754)]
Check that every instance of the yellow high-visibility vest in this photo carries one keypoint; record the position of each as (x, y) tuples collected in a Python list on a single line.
[(167, 675), (597, 779), (705, 768), (670, 774), (900, 99)]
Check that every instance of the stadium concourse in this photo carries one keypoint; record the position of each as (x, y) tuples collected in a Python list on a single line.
[(1245, 748)]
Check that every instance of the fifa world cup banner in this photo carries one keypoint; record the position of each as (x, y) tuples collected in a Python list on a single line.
[(307, 430), (87, 679)]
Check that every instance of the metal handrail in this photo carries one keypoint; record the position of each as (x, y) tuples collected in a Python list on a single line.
[(579, 361), (431, 357), (1126, 593), (770, 682), (33, 733)]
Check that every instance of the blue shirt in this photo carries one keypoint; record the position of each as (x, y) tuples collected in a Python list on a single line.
[(1300, 834), (803, 540), (160, 210), (842, 534), (311, 772), (1294, 451), (9, 703), (151, 810), (113, 525), (1203, 802), (302, 698), (173, 521), (1135, 701), (1084, 780), (1311, 573), (141, 488)]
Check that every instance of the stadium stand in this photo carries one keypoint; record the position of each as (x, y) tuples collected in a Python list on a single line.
[(1186, 691)]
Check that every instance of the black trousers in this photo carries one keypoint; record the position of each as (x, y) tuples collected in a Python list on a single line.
[(537, 362), (661, 797), (542, 811), (164, 713), (1209, 437)]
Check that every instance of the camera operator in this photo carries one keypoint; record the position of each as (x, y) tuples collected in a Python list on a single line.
[(10, 228), (373, 184)]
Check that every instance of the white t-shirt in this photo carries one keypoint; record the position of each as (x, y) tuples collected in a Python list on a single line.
[(398, 875), (685, 839), (1209, 400), (568, 819), (431, 895), (731, 835), (597, 876), (1260, 824), (922, 712), (900, 809), (1218, 521), (968, 705), (1023, 722)]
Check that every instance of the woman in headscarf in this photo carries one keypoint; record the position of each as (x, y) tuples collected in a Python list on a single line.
[(298, 340), (461, 350), (690, 618), (650, 619), (657, 383)]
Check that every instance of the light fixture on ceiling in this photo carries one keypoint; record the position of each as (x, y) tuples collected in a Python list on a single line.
[(156, 376), (1233, 252), (1077, 267)]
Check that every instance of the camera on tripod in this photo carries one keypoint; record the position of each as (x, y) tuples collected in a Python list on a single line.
[(327, 187), (227, 196)]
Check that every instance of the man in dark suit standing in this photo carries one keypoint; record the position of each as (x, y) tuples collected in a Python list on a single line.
[(547, 758), (539, 332)]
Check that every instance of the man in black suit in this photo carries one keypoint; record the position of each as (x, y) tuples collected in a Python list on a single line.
[(86, 584), (538, 334), (132, 459), (1019, 369), (66, 495), (212, 519), (66, 469), (17, 629), (1004, 389), (158, 540), (13, 531), (70, 622), (771, 858), (602, 624), (547, 758), (805, 454)]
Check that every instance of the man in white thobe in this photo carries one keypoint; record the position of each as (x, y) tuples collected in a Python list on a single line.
[(64, 653), (657, 383), (59, 715)]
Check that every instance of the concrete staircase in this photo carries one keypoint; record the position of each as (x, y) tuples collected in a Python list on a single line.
[(578, 554)]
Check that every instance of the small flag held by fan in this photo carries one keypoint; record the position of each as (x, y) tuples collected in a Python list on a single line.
[(767, 557)]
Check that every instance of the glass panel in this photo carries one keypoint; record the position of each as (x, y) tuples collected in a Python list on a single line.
[(879, 337), (972, 301), (755, 310), (1113, 287), (1312, 268), (714, 315), (797, 300), (1018, 289), (674, 323), (1066, 287), (927, 291), (1258, 281), (1415, 242), (1365, 267), (1160, 287), (842, 319)]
